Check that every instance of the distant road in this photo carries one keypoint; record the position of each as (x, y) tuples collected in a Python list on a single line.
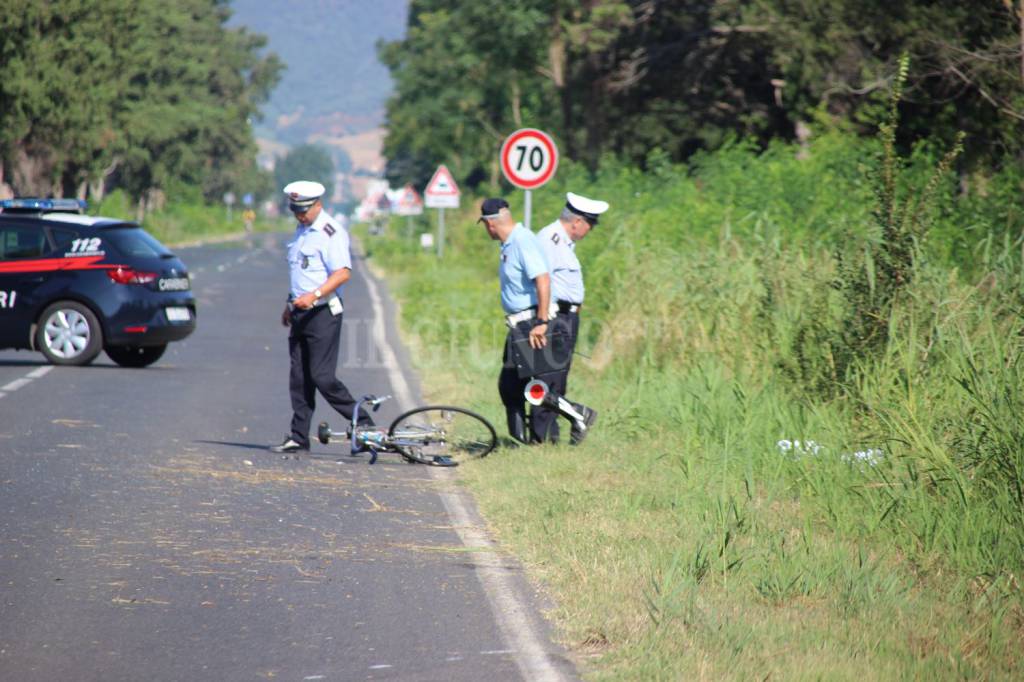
[(147, 534)]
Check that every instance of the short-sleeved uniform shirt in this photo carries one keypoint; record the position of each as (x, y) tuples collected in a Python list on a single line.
[(522, 260), (566, 273), (315, 252)]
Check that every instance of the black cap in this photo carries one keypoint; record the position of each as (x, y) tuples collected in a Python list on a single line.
[(491, 208)]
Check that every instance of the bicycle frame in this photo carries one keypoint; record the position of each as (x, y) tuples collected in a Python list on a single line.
[(359, 442), (424, 442)]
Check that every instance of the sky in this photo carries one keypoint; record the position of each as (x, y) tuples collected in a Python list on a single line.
[(329, 48)]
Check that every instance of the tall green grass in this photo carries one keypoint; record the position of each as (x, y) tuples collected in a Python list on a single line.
[(746, 506)]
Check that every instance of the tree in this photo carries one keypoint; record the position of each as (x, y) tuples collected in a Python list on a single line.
[(630, 76), (306, 162), (135, 93)]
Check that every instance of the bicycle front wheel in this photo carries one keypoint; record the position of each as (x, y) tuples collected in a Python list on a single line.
[(442, 435)]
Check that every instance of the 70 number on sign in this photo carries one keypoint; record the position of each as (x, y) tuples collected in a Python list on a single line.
[(536, 158)]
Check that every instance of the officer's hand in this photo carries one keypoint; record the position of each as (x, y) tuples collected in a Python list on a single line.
[(537, 338), (304, 302), (286, 316)]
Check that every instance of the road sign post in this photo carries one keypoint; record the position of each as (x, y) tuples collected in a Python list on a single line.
[(529, 158), (410, 205), (229, 201), (441, 193)]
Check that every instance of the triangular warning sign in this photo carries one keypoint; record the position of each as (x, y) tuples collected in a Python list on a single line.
[(442, 184), (409, 196)]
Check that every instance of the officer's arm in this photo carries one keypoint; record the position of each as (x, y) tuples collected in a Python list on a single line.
[(543, 283), (336, 279), (537, 338)]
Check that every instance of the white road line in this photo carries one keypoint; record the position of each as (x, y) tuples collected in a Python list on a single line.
[(507, 606), (25, 380), (15, 385)]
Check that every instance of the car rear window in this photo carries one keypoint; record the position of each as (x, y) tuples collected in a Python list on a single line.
[(63, 238), (134, 241)]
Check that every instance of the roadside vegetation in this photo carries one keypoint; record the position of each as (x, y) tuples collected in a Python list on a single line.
[(183, 221), (808, 366)]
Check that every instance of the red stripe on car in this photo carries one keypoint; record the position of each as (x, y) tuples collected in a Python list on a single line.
[(55, 264)]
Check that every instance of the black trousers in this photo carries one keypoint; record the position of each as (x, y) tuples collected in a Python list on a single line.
[(313, 346), (543, 424)]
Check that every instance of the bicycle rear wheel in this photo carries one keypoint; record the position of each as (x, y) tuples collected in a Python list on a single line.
[(442, 435)]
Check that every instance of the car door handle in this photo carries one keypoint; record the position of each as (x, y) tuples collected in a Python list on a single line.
[(35, 280)]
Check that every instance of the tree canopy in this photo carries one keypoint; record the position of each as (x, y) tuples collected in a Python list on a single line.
[(306, 162), (137, 94), (627, 77)]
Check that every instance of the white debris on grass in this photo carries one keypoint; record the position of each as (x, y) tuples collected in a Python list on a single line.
[(805, 448), (797, 447), (872, 456)]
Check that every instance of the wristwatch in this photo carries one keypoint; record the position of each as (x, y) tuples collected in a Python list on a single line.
[(319, 294), (539, 322)]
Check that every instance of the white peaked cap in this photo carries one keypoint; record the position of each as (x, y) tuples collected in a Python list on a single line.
[(589, 208), (304, 191)]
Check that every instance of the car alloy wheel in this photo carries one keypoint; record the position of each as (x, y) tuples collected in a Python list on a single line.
[(69, 334)]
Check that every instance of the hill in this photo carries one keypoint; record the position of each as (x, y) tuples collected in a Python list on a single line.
[(334, 85)]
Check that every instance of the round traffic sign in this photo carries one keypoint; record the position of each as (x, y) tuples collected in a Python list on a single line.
[(529, 158)]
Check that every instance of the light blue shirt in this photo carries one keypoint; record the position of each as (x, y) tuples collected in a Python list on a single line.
[(566, 272), (315, 252), (522, 261)]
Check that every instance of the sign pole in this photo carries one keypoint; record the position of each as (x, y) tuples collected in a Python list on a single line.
[(528, 208), (440, 232)]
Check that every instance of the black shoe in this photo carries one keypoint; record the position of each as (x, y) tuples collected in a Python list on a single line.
[(289, 445), (581, 429)]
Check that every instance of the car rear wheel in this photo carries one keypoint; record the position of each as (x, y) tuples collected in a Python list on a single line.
[(69, 334), (136, 356)]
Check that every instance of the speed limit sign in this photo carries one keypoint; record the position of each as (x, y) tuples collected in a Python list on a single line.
[(529, 158)]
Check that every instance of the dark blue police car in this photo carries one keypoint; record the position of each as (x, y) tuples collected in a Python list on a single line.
[(72, 285)]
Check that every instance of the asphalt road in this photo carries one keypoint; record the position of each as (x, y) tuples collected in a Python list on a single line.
[(146, 533)]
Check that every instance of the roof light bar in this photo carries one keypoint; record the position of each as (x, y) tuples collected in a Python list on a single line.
[(32, 204)]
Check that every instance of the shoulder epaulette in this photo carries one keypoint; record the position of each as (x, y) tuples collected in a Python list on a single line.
[(329, 229)]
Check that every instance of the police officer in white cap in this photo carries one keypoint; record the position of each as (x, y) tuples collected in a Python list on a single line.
[(558, 241), (319, 264)]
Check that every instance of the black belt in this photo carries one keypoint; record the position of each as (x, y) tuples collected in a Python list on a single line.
[(566, 306)]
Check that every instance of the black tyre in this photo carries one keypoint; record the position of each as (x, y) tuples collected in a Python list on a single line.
[(136, 356), (442, 435), (69, 334)]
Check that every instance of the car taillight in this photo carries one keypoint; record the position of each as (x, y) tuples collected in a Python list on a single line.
[(124, 275)]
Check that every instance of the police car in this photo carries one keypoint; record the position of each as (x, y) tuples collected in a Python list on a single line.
[(72, 285)]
